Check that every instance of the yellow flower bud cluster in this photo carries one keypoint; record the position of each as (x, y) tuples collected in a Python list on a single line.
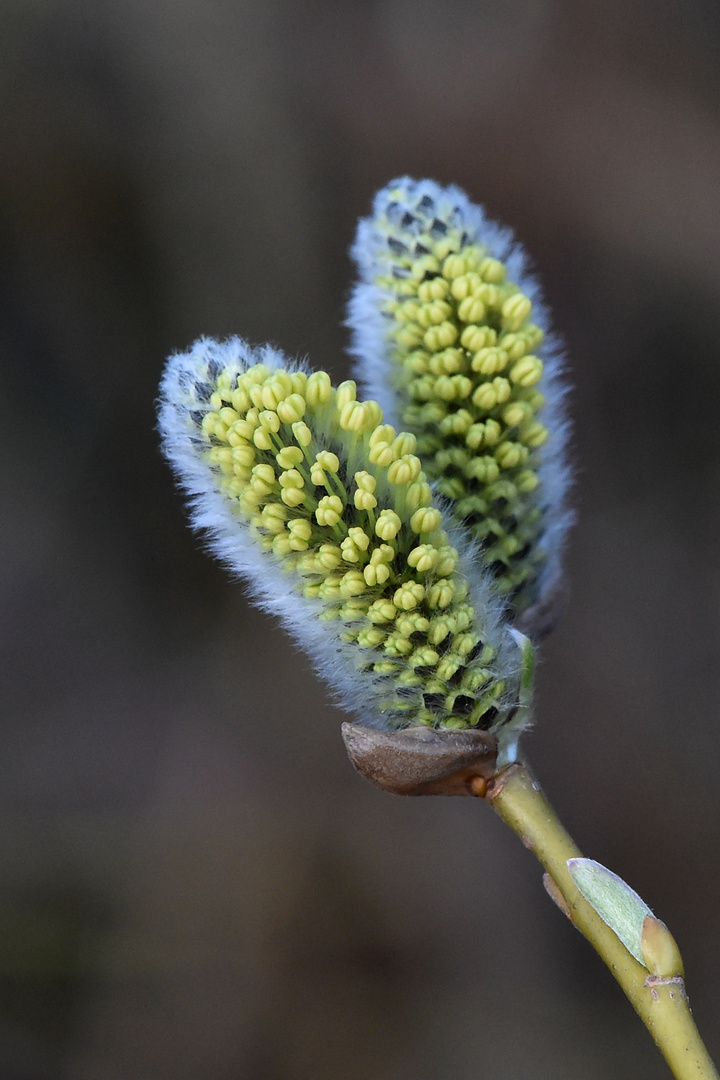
[(463, 360), (339, 503)]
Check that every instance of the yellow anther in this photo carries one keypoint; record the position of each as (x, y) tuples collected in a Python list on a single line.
[(438, 631), (416, 363), (327, 461), (364, 500), (474, 338), (447, 666), (502, 489), (447, 561), (346, 392), (456, 423), (408, 312), (240, 400), (423, 558), (388, 525), (424, 656), (436, 289), (453, 267), (355, 609), (397, 645), (418, 495), (515, 345), (490, 394), (405, 443), (329, 556), (292, 409), (221, 455), (269, 420), (492, 270), (446, 387), (376, 574), (381, 454), (484, 468), (409, 336), (282, 545), (516, 413), (441, 594), (510, 454), (534, 335), (405, 470), (274, 516), (451, 455), (289, 456), (359, 537), (292, 496), (329, 510), (318, 389), (243, 455), (489, 295), (434, 313), (263, 439), (489, 361), (370, 637), (300, 527), (384, 433), (526, 481), (352, 584), (475, 436), (357, 416), (534, 434), (302, 433), (426, 520), (515, 310), (291, 478), (228, 416), (272, 393), (440, 337), (465, 285), (234, 438), (298, 382), (374, 413), (411, 622), (330, 587), (263, 479), (258, 373), (448, 362), (382, 611), (463, 387), (493, 432), (526, 371), (255, 392), (423, 265), (534, 398), (350, 550), (472, 309), (463, 644)]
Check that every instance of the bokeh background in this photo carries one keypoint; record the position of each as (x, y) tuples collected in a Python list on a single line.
[(193, 881)]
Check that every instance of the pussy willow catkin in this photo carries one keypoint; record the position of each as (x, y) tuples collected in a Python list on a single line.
[(327, 512)]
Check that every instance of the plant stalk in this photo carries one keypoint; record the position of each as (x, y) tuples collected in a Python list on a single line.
[(661, 1003)]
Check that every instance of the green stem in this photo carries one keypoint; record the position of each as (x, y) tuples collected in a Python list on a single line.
[(661, 1003)]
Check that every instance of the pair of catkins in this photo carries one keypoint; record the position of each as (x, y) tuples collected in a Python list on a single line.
[(406, 527)]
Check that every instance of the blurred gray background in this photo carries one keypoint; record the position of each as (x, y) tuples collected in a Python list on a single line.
[(193, 881)]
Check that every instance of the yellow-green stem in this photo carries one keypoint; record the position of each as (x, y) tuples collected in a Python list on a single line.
[(661, 1003)]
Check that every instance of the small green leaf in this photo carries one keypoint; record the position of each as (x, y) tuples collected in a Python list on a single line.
[(616, 903)]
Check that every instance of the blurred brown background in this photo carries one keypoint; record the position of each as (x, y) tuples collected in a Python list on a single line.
[(193, 882)]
